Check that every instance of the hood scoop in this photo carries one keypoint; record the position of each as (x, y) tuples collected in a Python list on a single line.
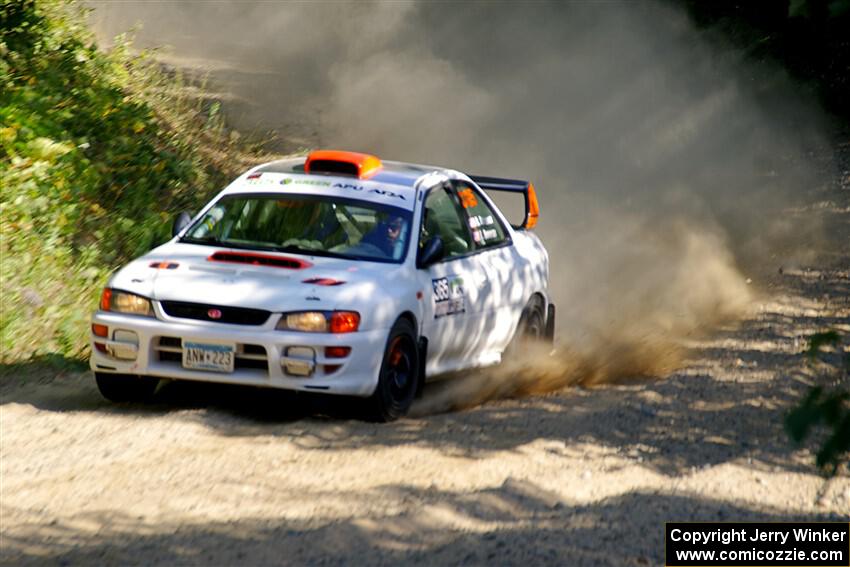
[(255, 259), (323, 281)]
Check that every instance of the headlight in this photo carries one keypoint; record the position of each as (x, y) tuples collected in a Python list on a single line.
[(123, 302), (320, 321)]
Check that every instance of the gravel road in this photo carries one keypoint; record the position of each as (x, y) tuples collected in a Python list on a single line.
[(580, 476)]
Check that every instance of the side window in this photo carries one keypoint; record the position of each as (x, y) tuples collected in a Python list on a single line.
[(485, 226), (442, 217)]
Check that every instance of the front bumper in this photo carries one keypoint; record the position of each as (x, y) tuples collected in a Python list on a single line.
[(261, 353)]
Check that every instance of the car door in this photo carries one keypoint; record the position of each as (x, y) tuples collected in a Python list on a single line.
[(452, 302), (501, 289)]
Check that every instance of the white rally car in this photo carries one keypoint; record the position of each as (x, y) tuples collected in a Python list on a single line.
[(338, 273)]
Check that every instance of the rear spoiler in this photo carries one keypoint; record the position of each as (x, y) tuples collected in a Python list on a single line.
[(532, 209)]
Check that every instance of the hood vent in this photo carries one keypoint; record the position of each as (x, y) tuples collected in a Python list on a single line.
[(323, 281), (255, 259)]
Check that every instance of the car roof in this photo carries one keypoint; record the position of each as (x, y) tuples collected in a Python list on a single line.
[(392, 172), (394, 184)]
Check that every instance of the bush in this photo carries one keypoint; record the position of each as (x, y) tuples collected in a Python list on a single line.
[(828, 407), (98, 150)]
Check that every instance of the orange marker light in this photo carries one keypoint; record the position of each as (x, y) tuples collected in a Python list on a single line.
[(363, 166), (533, 209), (100, 330), (344, 322)]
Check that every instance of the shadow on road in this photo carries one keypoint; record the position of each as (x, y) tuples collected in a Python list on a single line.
[(728, 404), (516, 523)]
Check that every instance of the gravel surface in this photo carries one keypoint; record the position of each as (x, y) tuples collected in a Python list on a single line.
[(213, 474)]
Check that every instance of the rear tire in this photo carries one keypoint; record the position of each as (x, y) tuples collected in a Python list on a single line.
[(400, 374), (125, 387), (530, 329)]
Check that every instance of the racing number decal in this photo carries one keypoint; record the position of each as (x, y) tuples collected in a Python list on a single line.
[(449, 296), (441, 289)]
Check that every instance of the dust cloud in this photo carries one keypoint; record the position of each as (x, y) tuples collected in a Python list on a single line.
[(665, 162)]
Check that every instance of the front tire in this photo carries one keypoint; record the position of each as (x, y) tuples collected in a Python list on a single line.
[(125, 387), (400, 374)]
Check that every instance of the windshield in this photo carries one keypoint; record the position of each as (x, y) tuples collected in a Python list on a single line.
[(306, 224)]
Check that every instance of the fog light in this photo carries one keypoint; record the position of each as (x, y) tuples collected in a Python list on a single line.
[(126, 345), (337, 351), (299, 361)]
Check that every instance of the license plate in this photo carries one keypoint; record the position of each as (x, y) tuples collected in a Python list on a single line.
[(211, 357)]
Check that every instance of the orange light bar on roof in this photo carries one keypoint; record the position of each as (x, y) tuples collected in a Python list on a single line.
[(362, 166)]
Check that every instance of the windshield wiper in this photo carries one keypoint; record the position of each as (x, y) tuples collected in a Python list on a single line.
[(295, 249), (291, 248), (209, 241), (214, 241)]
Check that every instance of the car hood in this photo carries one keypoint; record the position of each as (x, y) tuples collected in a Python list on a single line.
[(186, 272)]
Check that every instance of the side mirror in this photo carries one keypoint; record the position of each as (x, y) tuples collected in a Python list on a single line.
[(181, 222), (431, 253)]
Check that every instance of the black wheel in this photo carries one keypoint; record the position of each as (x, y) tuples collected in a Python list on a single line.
[(531, 329), (125, 387), (398, 381), (550, 324)]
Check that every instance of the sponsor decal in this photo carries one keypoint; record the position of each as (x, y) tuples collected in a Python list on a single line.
[(480, 233), (260, 179), (467, 198), (449, 296), (164, 265), (316, 182), (478, 221), (350, 186), (354, 187), (344, 186)]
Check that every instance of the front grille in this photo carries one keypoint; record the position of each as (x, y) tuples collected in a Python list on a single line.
[(174, 342), (201, 312), (166, 356), (243, 363), (170, 350)]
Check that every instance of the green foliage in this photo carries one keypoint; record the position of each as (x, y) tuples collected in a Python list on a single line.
[(807, 8), (820, 340), (822, 407), (807, 38), (831, 410), (97, 150)]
